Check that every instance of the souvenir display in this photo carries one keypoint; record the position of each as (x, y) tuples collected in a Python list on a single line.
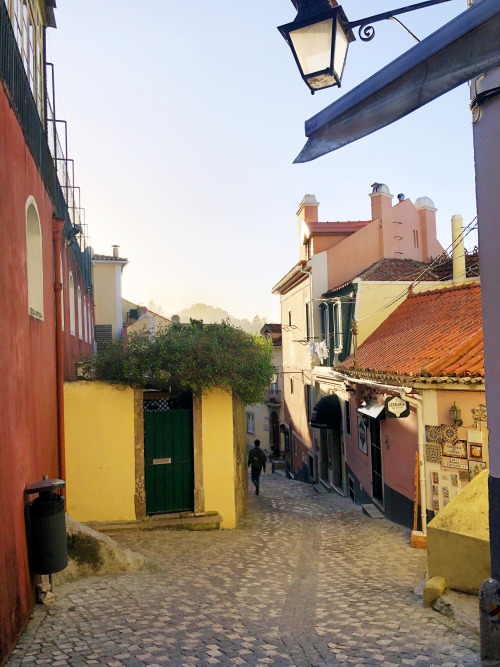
[(446, 493), (435, 490), (433, 433), (475, 467), (433, 452), (454, 479), (449, 433), (456, 449), (476, 451), (435, 477), (435, 504)]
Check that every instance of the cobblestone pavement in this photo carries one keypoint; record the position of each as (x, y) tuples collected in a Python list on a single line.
[(306, 580)]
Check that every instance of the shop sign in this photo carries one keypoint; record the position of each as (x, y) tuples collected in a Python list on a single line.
[(454, 462), (396, 407), (455, 449)]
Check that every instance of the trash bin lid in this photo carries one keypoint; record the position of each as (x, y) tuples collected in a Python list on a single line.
[(46, 485)]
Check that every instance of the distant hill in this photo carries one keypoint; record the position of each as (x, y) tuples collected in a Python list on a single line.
[(211, 314)]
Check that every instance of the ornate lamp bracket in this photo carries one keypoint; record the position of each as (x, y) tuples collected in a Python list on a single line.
[(366, 31)]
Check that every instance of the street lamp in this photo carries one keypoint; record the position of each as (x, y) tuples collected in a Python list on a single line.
[(321, 33), (318, 37)]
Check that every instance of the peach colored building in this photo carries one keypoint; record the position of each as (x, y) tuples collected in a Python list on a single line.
[(370, 264)]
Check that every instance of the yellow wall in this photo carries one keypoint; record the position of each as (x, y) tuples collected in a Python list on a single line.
[(100, 451), (104, 280), (458, 541), (218, 455)]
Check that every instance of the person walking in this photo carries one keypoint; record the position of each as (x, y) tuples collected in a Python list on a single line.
[(257, 461)]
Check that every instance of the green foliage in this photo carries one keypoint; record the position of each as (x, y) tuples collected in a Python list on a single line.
[(194, 357)]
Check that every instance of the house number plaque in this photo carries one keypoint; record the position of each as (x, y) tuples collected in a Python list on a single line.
[(159, 462)]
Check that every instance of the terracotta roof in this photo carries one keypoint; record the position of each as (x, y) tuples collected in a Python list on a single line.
[(444, 265), (434, 333), (273, 328), (108, 258), (398, 269), (387, 269), (348, 227)]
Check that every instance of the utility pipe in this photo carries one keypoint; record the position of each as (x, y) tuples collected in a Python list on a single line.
[(416, 401), (57, 228)]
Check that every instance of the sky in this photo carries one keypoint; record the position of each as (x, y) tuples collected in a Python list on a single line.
[(184, 119)]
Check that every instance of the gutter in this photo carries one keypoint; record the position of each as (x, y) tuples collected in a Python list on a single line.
[(57, 230)]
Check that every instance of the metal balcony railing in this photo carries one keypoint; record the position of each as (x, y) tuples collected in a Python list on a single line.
[(16, 83), (274, 396)]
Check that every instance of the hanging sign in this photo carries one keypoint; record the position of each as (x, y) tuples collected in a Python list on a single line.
[(396, 407)]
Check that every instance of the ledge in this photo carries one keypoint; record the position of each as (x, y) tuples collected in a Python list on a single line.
[(176, 521)]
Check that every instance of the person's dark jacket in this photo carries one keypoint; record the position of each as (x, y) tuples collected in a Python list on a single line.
[(257, 458)]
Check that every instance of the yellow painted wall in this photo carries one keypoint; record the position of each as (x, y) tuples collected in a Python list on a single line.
[(458, 541), (218, 455), (100, 451), (104, 280)]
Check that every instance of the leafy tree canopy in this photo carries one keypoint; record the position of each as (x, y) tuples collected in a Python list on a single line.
[(191, 357)]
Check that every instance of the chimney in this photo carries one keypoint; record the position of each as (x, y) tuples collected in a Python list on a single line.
[(427, 215), (308, 212), (175, 319), (457, 235), (381, 200), (115, 250)]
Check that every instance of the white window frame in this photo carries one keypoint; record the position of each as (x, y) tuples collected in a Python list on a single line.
[(347, 418), (79, 306), (250, 417), (34, 260), (72, 318), (337, 326)]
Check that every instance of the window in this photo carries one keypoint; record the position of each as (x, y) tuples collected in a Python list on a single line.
[(308, 328), (347, 418), (308, 402), (72, 324), (79, 305), (325, 328), (28, 30), (62, 292), (89, 319), (337, 325), (415, 238), (85, 329), (250, 422), (34, 260)]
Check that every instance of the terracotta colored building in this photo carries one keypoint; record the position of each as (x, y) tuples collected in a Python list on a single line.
[(46, 290)]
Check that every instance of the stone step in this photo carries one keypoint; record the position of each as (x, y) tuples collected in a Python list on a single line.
[(372, 511), (177, 521)]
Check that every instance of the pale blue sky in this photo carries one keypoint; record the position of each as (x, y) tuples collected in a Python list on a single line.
[(185, 117)]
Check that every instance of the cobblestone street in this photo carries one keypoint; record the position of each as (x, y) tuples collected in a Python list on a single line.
[(306, 580)]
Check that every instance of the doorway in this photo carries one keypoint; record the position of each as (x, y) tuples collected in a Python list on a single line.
[(274, 433), (168, 454), (376, 458)]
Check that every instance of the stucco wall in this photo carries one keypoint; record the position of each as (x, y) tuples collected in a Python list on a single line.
[(458, 539), (100, 451), (219, 464), (105, 294), (27, 367)]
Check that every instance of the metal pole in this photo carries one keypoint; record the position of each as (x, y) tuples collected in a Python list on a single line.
[(486, 131)]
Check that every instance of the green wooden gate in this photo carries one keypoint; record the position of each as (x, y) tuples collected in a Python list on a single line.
[(168, 459)]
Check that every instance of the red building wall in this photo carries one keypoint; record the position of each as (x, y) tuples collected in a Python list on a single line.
[(28, 409)]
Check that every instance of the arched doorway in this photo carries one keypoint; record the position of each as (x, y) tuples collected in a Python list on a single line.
[(274, 433), (327, 416)]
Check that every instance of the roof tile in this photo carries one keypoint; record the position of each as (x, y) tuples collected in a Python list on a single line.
[(436, 333)]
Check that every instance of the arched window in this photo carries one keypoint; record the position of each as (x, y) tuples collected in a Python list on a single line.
[(85, 330), (34, 260), (62, 292), (72, 304), (80, 322)]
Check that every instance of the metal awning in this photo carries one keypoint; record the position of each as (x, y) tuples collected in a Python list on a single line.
[(327, 412), (373, 410), (462, 49)]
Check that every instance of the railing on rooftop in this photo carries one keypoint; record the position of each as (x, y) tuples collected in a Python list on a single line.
[(16, 83)]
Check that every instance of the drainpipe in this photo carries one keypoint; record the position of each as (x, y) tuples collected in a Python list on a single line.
[(416, 401), (57, 228)]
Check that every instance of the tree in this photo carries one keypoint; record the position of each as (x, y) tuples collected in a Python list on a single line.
[(195, 358)]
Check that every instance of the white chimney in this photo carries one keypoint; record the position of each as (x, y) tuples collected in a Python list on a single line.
[(457, 234), (115, 250)]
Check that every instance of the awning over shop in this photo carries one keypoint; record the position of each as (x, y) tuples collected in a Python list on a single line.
[(327, 412), (373, 410)]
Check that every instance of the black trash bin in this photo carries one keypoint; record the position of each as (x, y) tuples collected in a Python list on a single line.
[(49, 547)]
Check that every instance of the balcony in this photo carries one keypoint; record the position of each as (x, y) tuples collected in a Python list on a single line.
[(273, 397)]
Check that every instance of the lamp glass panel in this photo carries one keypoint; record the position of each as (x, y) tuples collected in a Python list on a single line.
[(313, 46), (341, 44)]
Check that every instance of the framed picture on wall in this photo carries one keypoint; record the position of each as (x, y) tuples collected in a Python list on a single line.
[(362, 440)]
